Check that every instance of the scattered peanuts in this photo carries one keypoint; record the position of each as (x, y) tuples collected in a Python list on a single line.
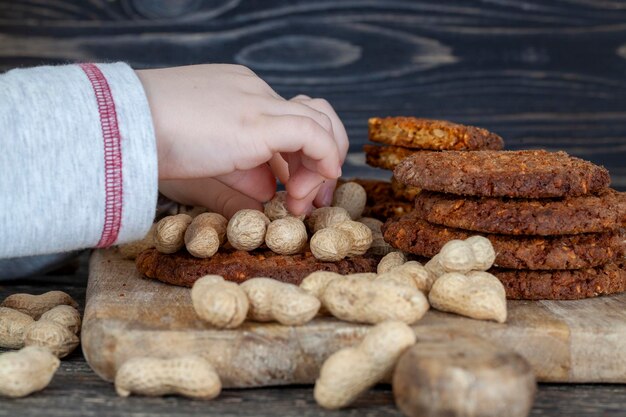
[(169, 234), (246, 229), (351, 371), (352, 197), (202, 238), (390, 261), (59, 340), (361, 236), (66, 316), (478, 295), (324, 217), (190, 376), (331, 244), (132, 249), (220, 303), (272, 300), (276, 208), (13, 324), (26, 371), (286, 236), (36, 305), (457, 256), (410, 273), (371, 301)]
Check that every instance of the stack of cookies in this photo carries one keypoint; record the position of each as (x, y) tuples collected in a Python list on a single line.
[(402, 137), (555, 225)]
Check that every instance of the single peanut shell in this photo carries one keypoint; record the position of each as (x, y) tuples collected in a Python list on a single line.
[(352, 197), (26, 371), (220, 303), (260, 292), (478, 295), (351, 371), (13, 325), (292, 306), (457, 256), (330, 244), (361, 236), (190, 376), (286, 236), (316, 282), (483, 250), (364, 301), (246, 229), (390, 261), (66, 316), (324, 217), (52, 336), (201, 240), (215, 220), (169, 234), (36, 305)]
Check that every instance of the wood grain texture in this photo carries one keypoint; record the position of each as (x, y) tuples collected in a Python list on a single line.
[(543, 74), (77, 391), (128, 316)]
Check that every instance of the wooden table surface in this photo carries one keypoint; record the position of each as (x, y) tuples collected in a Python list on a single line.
[(540, 73)]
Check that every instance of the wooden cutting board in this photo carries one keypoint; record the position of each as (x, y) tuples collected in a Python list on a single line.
[(128, 316)]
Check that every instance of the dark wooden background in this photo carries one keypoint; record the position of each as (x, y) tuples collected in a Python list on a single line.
[(540, 73), (546, 74)]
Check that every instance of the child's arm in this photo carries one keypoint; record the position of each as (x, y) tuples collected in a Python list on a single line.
[(78, 166)]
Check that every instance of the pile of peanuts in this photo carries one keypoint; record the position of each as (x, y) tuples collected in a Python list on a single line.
[(44, 328), (337, 232)]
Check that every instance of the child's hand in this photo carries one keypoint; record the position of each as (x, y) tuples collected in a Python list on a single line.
[(224, 122)]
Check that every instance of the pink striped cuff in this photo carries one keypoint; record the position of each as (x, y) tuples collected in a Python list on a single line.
[(112, 142)]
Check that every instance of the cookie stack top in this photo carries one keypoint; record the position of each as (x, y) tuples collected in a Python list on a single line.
[(551, 217)]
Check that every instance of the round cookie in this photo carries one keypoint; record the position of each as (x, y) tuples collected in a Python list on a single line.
[(411, 234), (573, 215), (563, 285), (412, 132), (520, 174), (183, 269), (385, 157)]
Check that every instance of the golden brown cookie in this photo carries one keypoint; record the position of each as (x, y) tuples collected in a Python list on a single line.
[(609, 278), (183, 269), (560, 216), (414, 235), (385, 157), (437, 135), (519, 174)]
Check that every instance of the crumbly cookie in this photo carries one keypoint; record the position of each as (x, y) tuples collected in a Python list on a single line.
[(385, 157), (609, 278), (402, 191), (573, 215), (415, 235), (183, 269), (412, 132), (520, 174)]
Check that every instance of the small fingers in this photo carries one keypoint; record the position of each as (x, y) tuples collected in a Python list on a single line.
[(258, 183), (325, 195), (289, 133)]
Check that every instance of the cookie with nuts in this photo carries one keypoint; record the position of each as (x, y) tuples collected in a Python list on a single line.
[(574, 215), (516, 174), (412, 132), (183, 269)]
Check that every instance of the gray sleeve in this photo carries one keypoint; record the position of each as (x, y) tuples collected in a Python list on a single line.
[(78, 163)]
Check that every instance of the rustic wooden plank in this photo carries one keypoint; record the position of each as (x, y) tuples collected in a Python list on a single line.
[(128, 316)]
